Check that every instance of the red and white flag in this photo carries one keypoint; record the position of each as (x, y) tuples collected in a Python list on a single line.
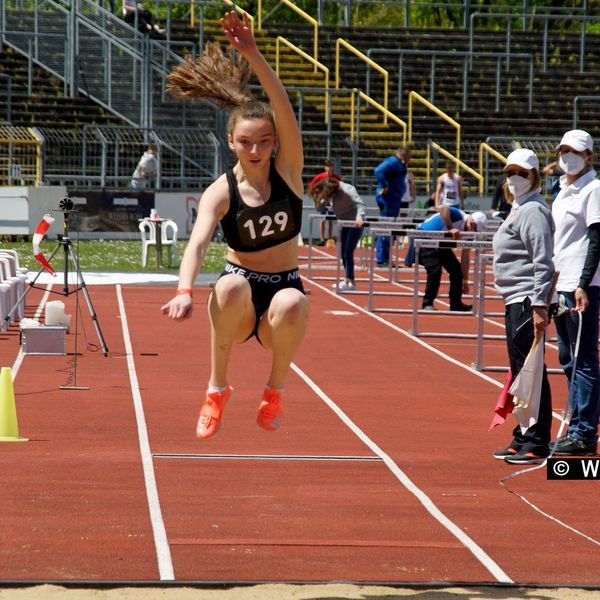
[(38, 236)]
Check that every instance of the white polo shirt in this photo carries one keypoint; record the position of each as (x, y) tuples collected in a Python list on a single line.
[(576, 207)]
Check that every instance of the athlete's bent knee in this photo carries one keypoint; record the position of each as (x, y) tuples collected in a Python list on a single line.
[(232, 290), (290, 305)]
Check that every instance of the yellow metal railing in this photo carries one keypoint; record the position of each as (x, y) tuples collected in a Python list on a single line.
[(317, 65), (440, 113), (311, 21), (230, 3), (483, 148), (20, 156), (386, 114), (455, 159), (341, 42)]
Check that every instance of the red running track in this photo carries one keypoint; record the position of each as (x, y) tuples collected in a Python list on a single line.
[(396, 483)]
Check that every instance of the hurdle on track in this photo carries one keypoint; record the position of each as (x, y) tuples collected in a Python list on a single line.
[(478, 364)]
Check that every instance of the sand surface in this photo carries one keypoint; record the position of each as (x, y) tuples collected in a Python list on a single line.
[(294, 592)]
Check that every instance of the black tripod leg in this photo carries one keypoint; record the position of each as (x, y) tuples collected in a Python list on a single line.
[(88, 301), (6, 323)]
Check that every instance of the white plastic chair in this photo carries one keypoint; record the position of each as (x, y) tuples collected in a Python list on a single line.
[(9, 290), (148, 231), (168, 238), (16, 280)]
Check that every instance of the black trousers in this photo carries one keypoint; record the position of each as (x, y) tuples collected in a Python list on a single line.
[(519, 339), (434, 259)]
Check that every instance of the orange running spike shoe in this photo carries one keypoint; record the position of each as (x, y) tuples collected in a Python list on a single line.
[(211, 411), (271, 410)]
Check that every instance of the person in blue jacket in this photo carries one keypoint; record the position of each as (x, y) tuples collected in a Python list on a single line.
[(391, 184)]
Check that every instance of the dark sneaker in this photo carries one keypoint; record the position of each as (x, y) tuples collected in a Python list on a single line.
[(525, 458), (571, 446), (506, 453), (462, 307)]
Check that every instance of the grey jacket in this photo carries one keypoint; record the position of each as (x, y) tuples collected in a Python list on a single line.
[(523, 247), (347, 204)]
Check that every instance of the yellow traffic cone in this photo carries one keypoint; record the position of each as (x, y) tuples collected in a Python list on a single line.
[(9, 427)]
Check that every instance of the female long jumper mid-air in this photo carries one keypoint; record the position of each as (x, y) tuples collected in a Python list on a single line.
[(259, 206)]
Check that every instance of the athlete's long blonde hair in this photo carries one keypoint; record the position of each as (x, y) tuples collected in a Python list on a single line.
[(223, 77)]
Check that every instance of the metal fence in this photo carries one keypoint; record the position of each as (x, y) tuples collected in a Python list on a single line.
[(106, 156), (20, 156)]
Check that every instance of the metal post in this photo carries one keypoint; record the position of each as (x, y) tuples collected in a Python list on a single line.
[(432, 80), (582, 40), (415, 307), (29, 67), (311, 218), (508, 36), (371, 272), (400, 76), (465, 83), (320, 11), (498, 85), (407, 14), (545, 47), (525, 11), (530, 96)]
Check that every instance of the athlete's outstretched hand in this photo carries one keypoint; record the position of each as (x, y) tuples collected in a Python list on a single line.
[(239, 33), (178, 308)]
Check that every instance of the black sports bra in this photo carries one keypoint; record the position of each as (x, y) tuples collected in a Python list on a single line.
[(253, 228)]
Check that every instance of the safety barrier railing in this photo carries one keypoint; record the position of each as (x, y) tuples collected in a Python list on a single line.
[(8, 80), (437, 149), (576, 102), (527, 9), (310, 20), (484, 151), (369, 61), (467, 59), (355, 98), (105, 156), (20, 156), (412, 96), (546, 18), (316, 64)]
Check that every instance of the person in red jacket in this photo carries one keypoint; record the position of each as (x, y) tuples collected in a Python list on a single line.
[(323, 207)]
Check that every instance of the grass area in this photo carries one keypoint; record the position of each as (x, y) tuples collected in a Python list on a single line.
[(116, 255)]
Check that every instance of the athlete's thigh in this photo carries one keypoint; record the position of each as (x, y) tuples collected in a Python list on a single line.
[(230, 304), (289, 301)]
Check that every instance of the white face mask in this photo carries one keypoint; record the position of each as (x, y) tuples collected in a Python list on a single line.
[(571, 163), (518, 186)]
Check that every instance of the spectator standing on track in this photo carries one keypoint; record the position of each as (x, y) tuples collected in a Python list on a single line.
[(134, 11), (454, 221), (259, 206), (576, 212), (391, 183), (347, 206), (448, 190), (146, 169), (323, 208), (523, 276), (410, 191)]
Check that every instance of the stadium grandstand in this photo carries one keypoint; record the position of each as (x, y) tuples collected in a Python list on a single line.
[(465, 81)]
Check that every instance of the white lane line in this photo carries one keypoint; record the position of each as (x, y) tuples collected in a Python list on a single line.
[(38, 312), (405, 333), (163, 552), (423, 498)]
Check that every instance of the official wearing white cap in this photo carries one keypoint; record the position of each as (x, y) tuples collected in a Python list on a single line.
[(523, 274), (576, 213)]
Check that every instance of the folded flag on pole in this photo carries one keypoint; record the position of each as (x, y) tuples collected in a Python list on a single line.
[(527, 387), (505, 404), (38, 236)]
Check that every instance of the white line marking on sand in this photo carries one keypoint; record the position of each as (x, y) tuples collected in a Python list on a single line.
[(423, 498), (163, 552)]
